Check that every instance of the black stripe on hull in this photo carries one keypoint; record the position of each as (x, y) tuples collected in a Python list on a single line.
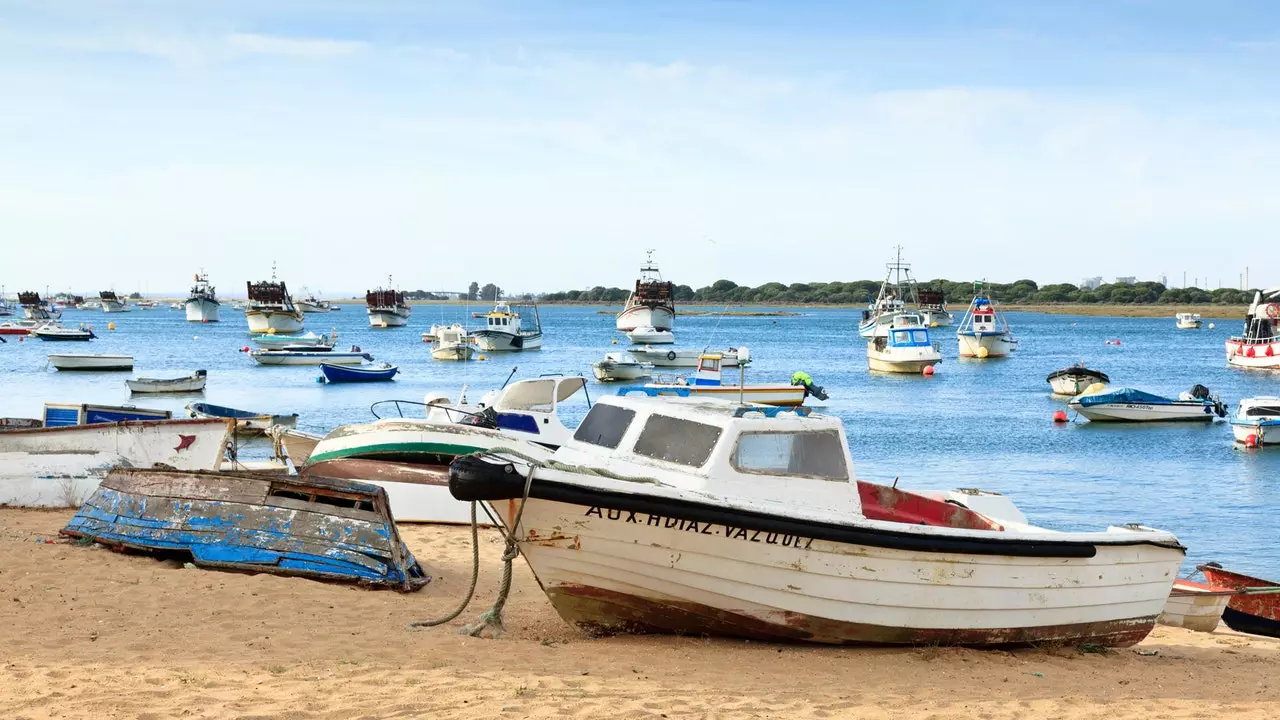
[(1252, 624)]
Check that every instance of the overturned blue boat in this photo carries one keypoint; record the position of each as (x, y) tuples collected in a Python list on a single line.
[(314, 527)]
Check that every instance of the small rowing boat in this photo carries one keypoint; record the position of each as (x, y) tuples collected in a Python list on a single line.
[(71, 361), (344, 373), (192, 383), (309, 357), (247, 421), (1075, 379), (1255, 609)]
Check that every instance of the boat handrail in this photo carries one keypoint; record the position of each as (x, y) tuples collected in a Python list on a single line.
[(771, 412), (398, 403)]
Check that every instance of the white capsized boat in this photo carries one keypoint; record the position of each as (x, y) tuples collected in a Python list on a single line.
[(905, 346), (67, 361), (619, 366), (698, 517), (1099, 403), (672, 358), (192, 383), (648, 335), (1255, 419)]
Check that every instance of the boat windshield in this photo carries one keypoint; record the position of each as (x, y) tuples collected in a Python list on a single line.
[(539, 395), (605, 425), (912, 338), (677, 440), (813, 454)]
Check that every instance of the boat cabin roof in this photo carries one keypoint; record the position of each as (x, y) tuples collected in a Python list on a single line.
[(538, 394)]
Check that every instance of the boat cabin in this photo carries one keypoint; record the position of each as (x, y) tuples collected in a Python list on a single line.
[(768, 456), (453, 335), (506, 319), (528, 408), (29, 299), (708, 372), (269, 293), (69, 414), (390, 299)]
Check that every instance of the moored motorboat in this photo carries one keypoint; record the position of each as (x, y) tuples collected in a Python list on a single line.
[(71, 361), (309, 356), (54, 331), (1130, 405), (194, 382), (1258, 348), (186, 444), (1187, 321), (1256, 418), (708, 382), (281, 341), (682, 515), (202, 304), (387, 307), (271, 309), (451, 343), (618, 367), (352, 373), (21, 327), (904, 347), (1075, 379), (1255, 608), (247, 422), (510, 329), (649, 335), (112, 303), (984, 332), (672, 358), (309, 303), (651, 303)]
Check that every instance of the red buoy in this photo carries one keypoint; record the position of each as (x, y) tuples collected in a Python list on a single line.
[(1249, 352), (1251, 441), (1059, 416), (928, 371)]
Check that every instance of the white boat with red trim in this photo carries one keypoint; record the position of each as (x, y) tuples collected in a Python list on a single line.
[(1258, 348), (698, 517), (984, 332), (651, 304)]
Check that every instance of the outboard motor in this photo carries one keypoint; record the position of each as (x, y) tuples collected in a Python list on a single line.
[(801, 377), (1199, 392)]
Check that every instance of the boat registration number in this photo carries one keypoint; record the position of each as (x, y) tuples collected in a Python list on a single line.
[(702, 528)]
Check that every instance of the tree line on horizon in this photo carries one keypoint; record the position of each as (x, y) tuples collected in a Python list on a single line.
[(1021, 292)]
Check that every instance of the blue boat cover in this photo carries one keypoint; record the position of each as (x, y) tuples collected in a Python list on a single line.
[(1125, 395)]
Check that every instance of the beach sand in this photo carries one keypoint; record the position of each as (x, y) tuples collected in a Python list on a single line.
[(90, 633)]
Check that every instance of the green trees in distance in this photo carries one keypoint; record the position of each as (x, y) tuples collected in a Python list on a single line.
[(1022, 292)]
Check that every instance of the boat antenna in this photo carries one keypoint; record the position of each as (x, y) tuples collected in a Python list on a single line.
[(513, 372)]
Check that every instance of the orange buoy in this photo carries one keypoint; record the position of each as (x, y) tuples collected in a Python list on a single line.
[(1269, 351), (1059, 416), (927, 371), (1249, 352), (1251, 441)]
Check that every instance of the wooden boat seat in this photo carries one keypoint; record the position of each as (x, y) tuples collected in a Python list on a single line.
[(881, 502)]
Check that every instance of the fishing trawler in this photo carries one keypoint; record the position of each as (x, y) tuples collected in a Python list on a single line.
[(309, 303), (202, 305), (983, 332), (33, 308), (890, 301), (1258, 348), (933, 308), (651, 304), (387, 307), (270, 309), (112, 303), (505, 329)]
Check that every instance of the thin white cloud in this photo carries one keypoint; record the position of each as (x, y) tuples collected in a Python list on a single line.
[(255, 44)]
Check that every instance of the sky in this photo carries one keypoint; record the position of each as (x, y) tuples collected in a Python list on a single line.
[(545, 145)]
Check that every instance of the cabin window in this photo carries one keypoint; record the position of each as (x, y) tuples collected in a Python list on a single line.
[(605, 425), (683, 442), (816, 454), (920, 336), (901, 337)]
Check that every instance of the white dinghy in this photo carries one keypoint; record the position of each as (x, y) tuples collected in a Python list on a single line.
[(619, 367), (648, 335), (70, 361), (698, 517), (192, 383)]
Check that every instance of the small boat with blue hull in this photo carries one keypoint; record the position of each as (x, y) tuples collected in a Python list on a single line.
[(247, 421), (345, 373), (1130, 405), (314, 527)]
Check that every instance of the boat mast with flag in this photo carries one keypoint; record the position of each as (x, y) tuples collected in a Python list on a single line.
[(651, 304), (1259, 346), (983, 332)]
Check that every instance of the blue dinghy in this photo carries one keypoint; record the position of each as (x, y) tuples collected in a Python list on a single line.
[(347, 373), (314, 527), (247, 421)]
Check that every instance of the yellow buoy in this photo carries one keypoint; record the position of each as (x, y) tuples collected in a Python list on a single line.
[(271, 331), (615, 341), (1210, 326), (111, 326), (933, 324), (983, 352)]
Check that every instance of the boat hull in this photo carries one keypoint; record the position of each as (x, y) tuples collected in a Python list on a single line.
[(1256, 614), (1253, 355), (461, 351), (281, 321), (606, 371), (901, 359), (776, 394), (418, 493), (1141, 412), (388, 318), (624, 571), (493, 341), (1244, 430), (52, 480), (340, 373), (277, 357), (1193, 606), (658, 318), (91, 362), (114, 306), (202, 310), (936, 318), (671, 358), (183, 444), (178, 385), (655, 337), (972, 345), (1071, 384)]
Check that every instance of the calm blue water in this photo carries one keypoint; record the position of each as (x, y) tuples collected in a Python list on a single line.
[(975, 424)]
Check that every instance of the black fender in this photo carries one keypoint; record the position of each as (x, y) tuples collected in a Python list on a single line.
[(472, 478)]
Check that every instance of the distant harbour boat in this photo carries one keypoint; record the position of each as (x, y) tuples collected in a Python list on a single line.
[(651, 303), (191, 383), (34, 308), (506, 329), (271, 309), (387, 307), (111, 303), (311, 304), (1187, 321), (202, 303), (984, 332), (66, 361), (1074, 380), (1258, 347)]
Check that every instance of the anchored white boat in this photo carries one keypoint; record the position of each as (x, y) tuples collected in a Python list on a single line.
[(112, 303), (192, 383), (183, 444), (271, 309), (387, 307), (71, 361), (1259, 347), (672, 358), (202, 304), (689, 516), (619, 367), (648, 335), (452, 343), (281, 341), (905, 348), (510, 328), (1075, 379), (1187, 321), (1130, 405), (652, 303), (33, 308), (53, 331), (932, 306), (707, 382), (314, 356), (983, 332), (311, 304), (1256, 419)]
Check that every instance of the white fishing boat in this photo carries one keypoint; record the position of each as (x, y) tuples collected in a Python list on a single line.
[(672, 358), (708, 382), (309, 303), (34, 308), (6, 307), (189, 384), (281, 341), (1255, 419), (72, 361), (510, 329), (890, 301), (647, 335), (681, 515), (273, 356), (271, 309), (183, 444), (202, 304), (617, 367), (1100, 403), (932, 306), (1074, 380), (984, 333), (387, 307), (1258, 348), (452, 343), (1187, 321), (112, 303), (905, 348), (652, 303)]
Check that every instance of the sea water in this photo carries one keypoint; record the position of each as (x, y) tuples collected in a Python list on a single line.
[(976, 423)]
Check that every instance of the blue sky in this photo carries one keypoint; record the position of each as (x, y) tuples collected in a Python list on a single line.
[(544, 145)]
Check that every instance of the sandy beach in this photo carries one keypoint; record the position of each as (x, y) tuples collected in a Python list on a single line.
[(91, 633)]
